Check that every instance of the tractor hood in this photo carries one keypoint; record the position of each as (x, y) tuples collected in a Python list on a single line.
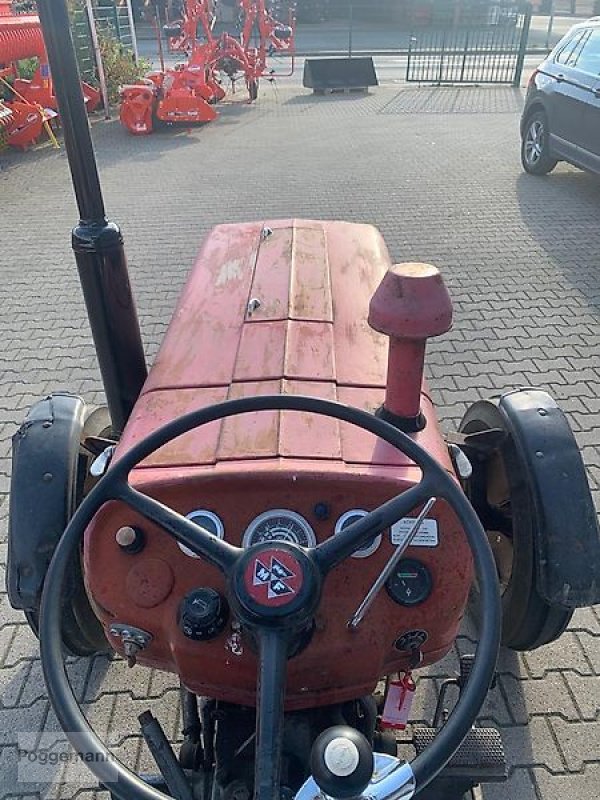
[(269, 308)]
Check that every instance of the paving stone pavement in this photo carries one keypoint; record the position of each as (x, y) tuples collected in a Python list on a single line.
[(519, 254)]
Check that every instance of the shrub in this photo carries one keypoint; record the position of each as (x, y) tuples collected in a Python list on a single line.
[(119, 65)]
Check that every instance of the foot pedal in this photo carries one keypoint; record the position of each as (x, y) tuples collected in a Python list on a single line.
[(466, 666), (479, 759)]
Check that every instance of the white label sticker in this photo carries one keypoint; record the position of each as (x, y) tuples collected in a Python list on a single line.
[(426, 537)]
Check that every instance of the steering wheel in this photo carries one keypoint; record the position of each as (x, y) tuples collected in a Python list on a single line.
[(271, 623)]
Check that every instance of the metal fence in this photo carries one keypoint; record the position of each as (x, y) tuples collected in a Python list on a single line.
[(113, 19), (80, 30), (490, 49)]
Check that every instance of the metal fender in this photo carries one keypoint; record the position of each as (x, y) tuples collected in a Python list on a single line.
[(46, 484), (567, 536)]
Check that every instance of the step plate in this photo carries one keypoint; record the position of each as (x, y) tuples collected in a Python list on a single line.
[(480, 757)]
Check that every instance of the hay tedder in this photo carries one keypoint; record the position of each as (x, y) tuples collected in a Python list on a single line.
[(272, 514), (189, 91)]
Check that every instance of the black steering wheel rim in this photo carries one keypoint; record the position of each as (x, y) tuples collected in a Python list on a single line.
[(124, 783)]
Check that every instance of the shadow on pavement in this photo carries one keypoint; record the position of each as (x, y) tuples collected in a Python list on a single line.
[(561, 212), (306, 99)]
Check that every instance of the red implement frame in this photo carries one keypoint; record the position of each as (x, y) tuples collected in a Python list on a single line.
[(188, 92), (34, 100)]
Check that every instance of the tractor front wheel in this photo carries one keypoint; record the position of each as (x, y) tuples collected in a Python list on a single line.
[(498, 490)]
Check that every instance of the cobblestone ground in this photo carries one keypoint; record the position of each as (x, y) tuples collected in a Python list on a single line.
[(439, 174)]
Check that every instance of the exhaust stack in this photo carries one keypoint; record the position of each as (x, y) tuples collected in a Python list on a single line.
[(97, 243)]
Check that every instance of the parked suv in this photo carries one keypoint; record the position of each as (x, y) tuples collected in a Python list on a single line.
[(561, 119)]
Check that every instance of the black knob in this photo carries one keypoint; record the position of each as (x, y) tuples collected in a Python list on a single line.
[(203, 614), (341, 762)]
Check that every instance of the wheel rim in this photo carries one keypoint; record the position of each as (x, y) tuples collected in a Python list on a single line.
[(534, 142), (500, 541)]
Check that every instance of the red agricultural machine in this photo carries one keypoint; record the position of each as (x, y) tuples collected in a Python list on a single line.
[(189, 92), (32, 103), (272, 514)]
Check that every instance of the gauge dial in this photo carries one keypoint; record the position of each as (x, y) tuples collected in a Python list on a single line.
[(410, 583), (282, 525), (207, 520), (353, 516)]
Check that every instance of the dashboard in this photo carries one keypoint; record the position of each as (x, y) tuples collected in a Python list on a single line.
[(156, 587)]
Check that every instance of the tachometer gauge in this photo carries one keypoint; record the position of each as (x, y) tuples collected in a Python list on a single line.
[(207, 520), (279, 525), (353, 516)]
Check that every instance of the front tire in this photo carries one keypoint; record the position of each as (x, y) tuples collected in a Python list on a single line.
[(536, 156), (498, 490)]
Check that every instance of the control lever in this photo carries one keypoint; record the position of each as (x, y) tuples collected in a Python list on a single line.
[(389, 567), (391, 779), (341, 762)]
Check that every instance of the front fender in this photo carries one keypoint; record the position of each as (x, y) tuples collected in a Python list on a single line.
[(567, 536)]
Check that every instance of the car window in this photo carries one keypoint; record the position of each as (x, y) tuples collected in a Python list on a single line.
[(588, 55), (570, 49)]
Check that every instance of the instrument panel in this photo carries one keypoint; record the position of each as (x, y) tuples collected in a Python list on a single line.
[(281, 524), (157, 588)]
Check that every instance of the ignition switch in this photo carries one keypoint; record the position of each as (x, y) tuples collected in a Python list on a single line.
[(203, 614)]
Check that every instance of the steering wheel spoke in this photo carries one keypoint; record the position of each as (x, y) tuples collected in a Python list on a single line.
[(197, 539), (355, 536), (272, 648)]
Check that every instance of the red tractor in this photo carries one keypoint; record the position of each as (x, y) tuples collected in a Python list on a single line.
[(188, 92), (272, 514)]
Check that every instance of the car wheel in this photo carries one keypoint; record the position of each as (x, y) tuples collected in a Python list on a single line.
[(535, 146)]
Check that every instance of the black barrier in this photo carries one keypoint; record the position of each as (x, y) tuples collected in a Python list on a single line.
[(487, 47), (322, 74)]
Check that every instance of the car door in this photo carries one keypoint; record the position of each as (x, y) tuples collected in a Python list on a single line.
[(568, 95), (588, 64), (592, 126)]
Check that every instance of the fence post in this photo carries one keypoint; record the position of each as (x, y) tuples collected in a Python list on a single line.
[(527, 11), (136, 55), (115, 11), (442, 54), (350, 26), (98, 57), (550, 25), (465, 52)]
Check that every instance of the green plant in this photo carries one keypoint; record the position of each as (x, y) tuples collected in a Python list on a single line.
[(119, 65), (27, 68)]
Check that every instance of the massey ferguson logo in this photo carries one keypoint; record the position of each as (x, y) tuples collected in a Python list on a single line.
[(275, 577)]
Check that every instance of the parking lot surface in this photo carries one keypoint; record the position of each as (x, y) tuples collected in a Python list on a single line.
[(437, 170)]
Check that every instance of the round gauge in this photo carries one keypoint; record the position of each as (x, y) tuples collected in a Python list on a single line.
[(353, 516), (410, 583), (279, 525), (207, 520)]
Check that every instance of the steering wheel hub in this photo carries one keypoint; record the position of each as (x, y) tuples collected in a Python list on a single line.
[(275, 582)]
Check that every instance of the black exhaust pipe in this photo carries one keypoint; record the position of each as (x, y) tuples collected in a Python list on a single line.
[(97, 243)]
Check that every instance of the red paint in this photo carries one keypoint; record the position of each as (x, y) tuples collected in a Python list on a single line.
[(149, 581), (323, 275), (20, 37), (411, 305)]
